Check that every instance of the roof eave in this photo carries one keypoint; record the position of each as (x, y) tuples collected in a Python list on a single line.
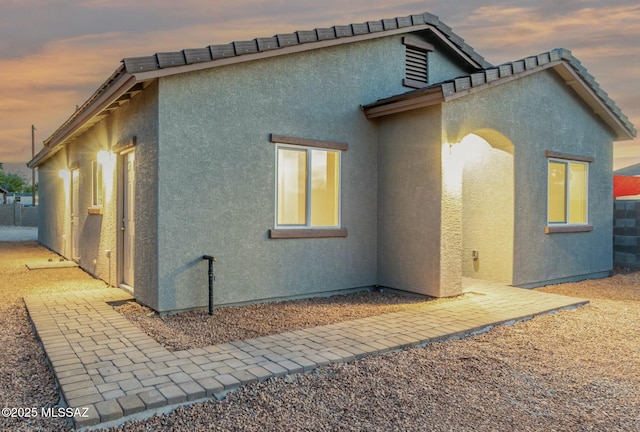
[(125, 77), (586, 93), (120, 85), (175, 70), (421, 99), (412, 100)]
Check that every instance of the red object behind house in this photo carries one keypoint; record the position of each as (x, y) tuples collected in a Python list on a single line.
[(625, 185)]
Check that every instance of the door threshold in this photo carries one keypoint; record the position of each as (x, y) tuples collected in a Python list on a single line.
[(127, 288)]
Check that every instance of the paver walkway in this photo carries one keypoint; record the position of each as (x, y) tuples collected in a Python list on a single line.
[(106, 364)]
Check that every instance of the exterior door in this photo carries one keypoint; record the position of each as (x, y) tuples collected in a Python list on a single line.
[(128, 219), (74, 231)]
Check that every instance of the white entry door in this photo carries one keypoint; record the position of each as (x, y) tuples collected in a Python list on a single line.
[(128, 219), (74, 211)]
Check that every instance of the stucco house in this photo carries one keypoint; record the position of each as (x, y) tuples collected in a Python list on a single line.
[(384, 153)]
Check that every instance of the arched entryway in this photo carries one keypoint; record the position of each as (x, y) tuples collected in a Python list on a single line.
[(487, 206)]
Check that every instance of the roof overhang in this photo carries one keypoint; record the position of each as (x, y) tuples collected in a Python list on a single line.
[(462, 87), (163, 72), (586, 93), (121, 87), (135, 73)]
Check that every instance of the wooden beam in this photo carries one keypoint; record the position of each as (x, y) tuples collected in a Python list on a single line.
[(308, 142), (558, 229), (567, 156), (307, 233)]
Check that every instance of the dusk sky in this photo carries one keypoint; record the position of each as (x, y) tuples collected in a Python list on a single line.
[(55, 53)]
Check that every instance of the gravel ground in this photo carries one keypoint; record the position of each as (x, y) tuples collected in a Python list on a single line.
[(577, 370), (197, 329), (25, 378)]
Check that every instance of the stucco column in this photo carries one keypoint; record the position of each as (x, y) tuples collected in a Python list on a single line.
[(451, 223)]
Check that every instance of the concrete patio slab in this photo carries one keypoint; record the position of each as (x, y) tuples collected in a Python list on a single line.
[(104, 363), (38, 265)]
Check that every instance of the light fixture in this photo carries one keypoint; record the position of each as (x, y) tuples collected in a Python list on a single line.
[(104, 157)]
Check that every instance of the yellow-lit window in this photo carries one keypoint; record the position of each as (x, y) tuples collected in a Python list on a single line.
[(308, 189), (96, 183), (568, 189), (292, 186)]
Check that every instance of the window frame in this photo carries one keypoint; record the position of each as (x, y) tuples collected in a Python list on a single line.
[(567, 226), (307, 230), (309, 163), (97, 184)]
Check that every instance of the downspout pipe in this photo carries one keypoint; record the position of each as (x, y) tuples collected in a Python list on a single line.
[(212, 277)]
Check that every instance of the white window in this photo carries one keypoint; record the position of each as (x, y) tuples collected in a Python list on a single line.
[(96, 184), (308, 187), (568, 192)]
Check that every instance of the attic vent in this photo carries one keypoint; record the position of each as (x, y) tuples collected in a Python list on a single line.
[(416, 63)]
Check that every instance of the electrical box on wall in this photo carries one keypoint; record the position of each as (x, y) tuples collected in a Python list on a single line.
[(474, 254)]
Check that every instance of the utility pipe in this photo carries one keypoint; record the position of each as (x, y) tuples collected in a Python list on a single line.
[(212, 277)]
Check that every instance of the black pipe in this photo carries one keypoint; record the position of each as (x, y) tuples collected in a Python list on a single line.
[(211, 259)]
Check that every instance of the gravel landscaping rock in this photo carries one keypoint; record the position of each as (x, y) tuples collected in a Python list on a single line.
[(25, 379), (197, 329), (577, 370)]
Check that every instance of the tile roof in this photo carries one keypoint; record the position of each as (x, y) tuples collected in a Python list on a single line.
[(462, 85), (239, 48), (632, 170), (90, 112)]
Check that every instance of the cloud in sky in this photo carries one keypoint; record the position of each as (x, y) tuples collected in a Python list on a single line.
[(55, 53)]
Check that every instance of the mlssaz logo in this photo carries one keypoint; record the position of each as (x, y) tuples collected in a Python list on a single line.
[(65, 412)]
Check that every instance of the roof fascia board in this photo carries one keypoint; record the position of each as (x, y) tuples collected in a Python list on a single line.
[(158, 73), (495, 83), (586, 93), (117, 89), (422, 101), (573, 80), (457, 50)]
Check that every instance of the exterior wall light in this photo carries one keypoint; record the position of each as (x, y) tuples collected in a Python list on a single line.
[(64, 174), (107, 163), (104, 157)]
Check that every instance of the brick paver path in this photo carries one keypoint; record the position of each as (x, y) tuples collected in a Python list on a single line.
[(106, 364)]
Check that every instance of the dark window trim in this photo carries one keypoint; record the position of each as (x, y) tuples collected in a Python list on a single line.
[(557, 229), (417, 44), (123, 146), (566, 156), (308, 142), (307, 233)]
